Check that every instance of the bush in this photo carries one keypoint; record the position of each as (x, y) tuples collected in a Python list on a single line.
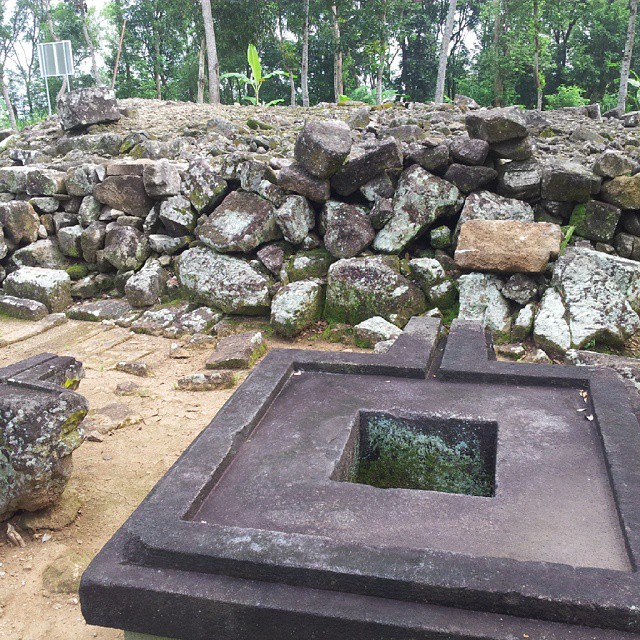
[(570, 96)]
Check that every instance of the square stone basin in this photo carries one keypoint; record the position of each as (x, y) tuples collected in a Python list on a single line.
[(519, 517)]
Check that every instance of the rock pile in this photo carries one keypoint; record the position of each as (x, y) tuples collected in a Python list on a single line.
[(391, 214)]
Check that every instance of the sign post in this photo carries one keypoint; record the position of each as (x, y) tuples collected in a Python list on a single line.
[(56, 59)]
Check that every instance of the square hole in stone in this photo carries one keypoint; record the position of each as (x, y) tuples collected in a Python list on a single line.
[(448, 455)]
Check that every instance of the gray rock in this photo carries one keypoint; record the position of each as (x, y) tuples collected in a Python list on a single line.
[(253, 173), (242, 222), (551, 329), (203, 186), (496, 125), (77, 109), (427, 272), (469, 179), (469, 151), (92, 240), (177, 216), (380, 187), (522, 149), (90, 211), (146, 287), (348, 230), (520, 180), (323, 146), (125, 193), (80, 180), (420, 200), (309, 264), (566, 182), (612, 164), (223, 282), (20, 222), (296, 307), (154, 321), (523, 323), (295, 218), (46, 182), (238, 351), (161, 179), (51, 287), (295, 179), (13, 179), (631, 223), (363, 168), (481, 300), (167, 245), (44, 204), (272, 257), (22, 308), (125, 247), (199, 321), (435, 159), (361, 288), (375, 330), (595, 220), (381, 213), (520, 288), (4, 249), (43, 253), (208, 381), (69, 241), (119, 311)]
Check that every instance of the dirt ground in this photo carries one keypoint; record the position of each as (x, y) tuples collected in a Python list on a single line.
[(110, 477)]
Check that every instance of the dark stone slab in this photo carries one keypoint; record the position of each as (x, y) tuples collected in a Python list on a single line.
[(255, 533)]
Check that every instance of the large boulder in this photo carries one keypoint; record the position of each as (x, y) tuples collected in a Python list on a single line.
[(481, 300), (51, 287), (223, 282), (40, 420), (177, 216), (46, 182), (20, 222), (551, 328), (77, 109), (348, 230), (92, 240), (203, 186), (241, 223), (595, 220), (161, 179), (145, 288), (484, 205), (496, 125), (361, 288), (323, 146), (295, 179), (124, 193), (420, 199), (507, 246), (468, 178), (566, 182), (69, 241), (623, 192), (125, 247), (520, 180), (43, 253), (296, 307)]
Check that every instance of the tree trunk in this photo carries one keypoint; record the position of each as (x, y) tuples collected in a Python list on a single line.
[(628, 52), (305, 56), (498, 83), (201, 81), (444, 51), (212, 53), (90, 46), (292, 84), (7, 99), (379, 82), (536, 55), (338, 85)]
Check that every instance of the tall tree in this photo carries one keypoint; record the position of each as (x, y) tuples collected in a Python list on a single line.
[(444, 51), (628, 52), (338, 83), (8, 35), (212, 53), (82, 10), (305, 56)]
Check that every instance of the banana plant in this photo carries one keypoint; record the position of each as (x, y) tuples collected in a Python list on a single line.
[(257, 78)]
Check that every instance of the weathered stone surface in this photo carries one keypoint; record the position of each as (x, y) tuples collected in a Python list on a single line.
[(469, 150), (294, 178), (365, 167), (13, 179), (522, 149), (22, 308), (323, 146), (44, 204), (51, 287), (380, 187), (20, 222), (223, 282), (90, 211), (507, 246), (125, 247), (242, 222), (43, 253), (595, 220), (551, 329), (631, 223), (427, 272), (520, 180), (296, 307), (361, 288), (348, 230), (177, 216), (468, 178), (80, 180), (420, 200), (627, 246), (481, 300), (520, 288), (209, 381), (566, 182), (238, 351), (83, 107), (295, 218), (612, 164), (203, 186), (404, 133), (374, 330), (496, 125), (167, 245), (145, 288), (46, 182), (155, 321), (198, 321), (253, 174), (99, 310), (161, 179), (125, 193), (623, 192), (92, 240), (314, 263), (523, 323), (69, 241), (434, 159), (381, 213)]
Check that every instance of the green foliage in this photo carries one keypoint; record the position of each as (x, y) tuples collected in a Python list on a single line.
[(399, 456), (570, 96), (257, 78), (567, 234), (368, 96)]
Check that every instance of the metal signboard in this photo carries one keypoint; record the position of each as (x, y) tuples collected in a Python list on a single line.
[(56, 59)]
